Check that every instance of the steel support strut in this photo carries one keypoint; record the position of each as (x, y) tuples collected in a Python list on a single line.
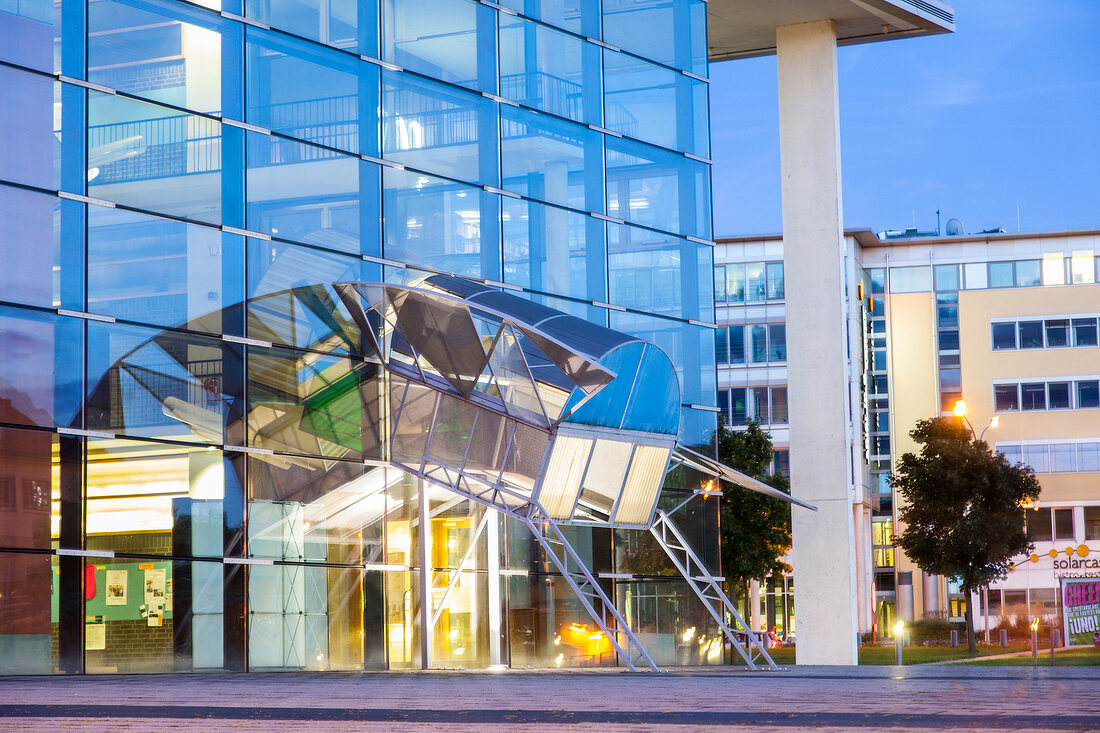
[(709, 592), (587, 589)]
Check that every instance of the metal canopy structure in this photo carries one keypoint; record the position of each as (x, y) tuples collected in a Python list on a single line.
[(543, 416)]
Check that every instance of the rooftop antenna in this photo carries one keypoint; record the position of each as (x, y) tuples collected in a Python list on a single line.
[(937, 222)]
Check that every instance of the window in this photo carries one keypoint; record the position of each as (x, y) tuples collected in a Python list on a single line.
[(755, 283), (1004, 336), (1092, 523), (1033, 396), (738, 407), (779, 405), (1088, 457), (910, 279), (737, 345), (1084, 332), (735, 283), (1063, 457), (1012, 453), (1063, 524), (719, 284), (949, 340), (1028, 273), (777, 342), (947, 277), (1088, 393), (758, 404), (1006, 397), (1001, 275), (977, 278), (775, 281), (759, 347), (1038, 525), (1058, 396), (781, 460), (1038, 457), (882, 538), (1054, 269), (1031, 334), (1057, 333), (721, 345), (1082, 268)]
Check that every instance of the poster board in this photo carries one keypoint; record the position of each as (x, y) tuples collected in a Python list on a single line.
[(1081, 611)]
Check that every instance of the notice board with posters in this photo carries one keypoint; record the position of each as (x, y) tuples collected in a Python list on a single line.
[(1081, 611)]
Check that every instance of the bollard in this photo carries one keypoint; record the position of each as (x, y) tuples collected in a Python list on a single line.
[(1035, 643), (1054, 634), (1004, 638), (954, 638)]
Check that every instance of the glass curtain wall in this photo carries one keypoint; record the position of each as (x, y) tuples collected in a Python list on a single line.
[(171, 170)]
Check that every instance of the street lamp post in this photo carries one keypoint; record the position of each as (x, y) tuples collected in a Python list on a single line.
[(899, 640)]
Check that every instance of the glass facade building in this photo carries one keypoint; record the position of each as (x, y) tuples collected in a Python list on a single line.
[(167, 168)]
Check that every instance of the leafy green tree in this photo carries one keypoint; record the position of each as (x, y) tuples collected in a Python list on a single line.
[(962, 513), (756, 529)]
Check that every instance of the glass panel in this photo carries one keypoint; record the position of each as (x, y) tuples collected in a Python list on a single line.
[(1037, 456), (561, 484), (1012, 453), (777, 342), (28, 125), (1057, 333), (156, 499), (719, 283), (603, 482), (40, 266), (642, 484), (755, 283), (947, 277), (40, 380), (1054, 269), (670, 32), (312, 93), (1058, 395), (1027, 273), (450, 40), (29, 492), (28, 35), (1033, 396), (144, 382), (655, 104), (1006, 397), (758, 350), (758, 405), (1092, 523), (28, 617), (1039, 525), (161, 271), (165, 52), (738, 406), (737, 344), (349, 24), (1084, 332), (1004, 336), (438, 224), (579, 16), (911, 279), (1031, 334), (1082, 267), (652, 272), (155, 158), (550, 71), (1088, 393), (535, 258), (977, 276), (438, 128), (1063, 459), (657, 188), (1063, 522), (721, 345), (1001, 275), (551, 160), (948, 340), (735, 283), (775, 281)]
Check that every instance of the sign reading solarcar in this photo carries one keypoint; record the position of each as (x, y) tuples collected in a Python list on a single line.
[(1081, 611)]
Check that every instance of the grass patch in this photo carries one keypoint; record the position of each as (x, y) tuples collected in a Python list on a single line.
[(1077, 657), (879, 655)]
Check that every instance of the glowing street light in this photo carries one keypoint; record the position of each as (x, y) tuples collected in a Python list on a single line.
[(899, 637), (960, 411)]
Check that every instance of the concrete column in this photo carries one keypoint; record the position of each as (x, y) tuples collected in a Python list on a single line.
[(425, 557), (823, 551), (754, 604)]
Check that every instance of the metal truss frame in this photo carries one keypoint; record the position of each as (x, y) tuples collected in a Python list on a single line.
[(716, 602)]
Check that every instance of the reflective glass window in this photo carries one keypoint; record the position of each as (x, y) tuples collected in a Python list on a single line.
[(551, 160), (977, 275), (1084, 332), (758, 404), (1028, 273), (657, 188), (690, 347), (758, 351), (724, 404), (29, 34), (548, 70), (348, 24), (1038, 457), (1088, 393), (310, 194), (1004, 336), (656, 272), (737, 344), (1082, 267), (1031, 334), (947, 277), (41, 267), (533, 235), (1063, 523), (1058, 395), (1006, 397), (579, 16), (1063, 458), (720, 283), (1057, 333), (777, 342), (312, 93), (738, 406), (29, 616), (1088, 459), (735, 283), (670, 32), (40, 381), (450, 40), (1001, 275), (166, 52), (951, 380), (1033, 396), (155, 158), (721, 345), (441, 224), (162, 271), (915, 279), (775, 281), (1012, 453), (949, 340), (779, 405), (145, 382), (29, 490), (438, 128), (655, 104), (755, 282), (28, 126)]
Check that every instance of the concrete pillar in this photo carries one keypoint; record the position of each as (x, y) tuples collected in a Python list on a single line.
[(754, 604), (823, 551), (931, 594), (426, 585)]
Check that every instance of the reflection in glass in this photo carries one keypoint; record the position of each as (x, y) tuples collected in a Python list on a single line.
[(39, 268), (551, 71), (672, 32), (40, 382), (28, 610), (28, 126), (658, 188), (579, 16), (450, 40), (348, 24), (551, 160), (534, 255), (655, 104)]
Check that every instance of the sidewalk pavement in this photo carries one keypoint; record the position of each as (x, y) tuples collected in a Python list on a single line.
[(924, 698)]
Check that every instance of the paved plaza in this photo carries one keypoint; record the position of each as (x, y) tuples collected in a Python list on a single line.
[(925, 698)]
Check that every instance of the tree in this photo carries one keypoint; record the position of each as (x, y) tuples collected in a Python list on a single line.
[(962, 513), (756, 529)]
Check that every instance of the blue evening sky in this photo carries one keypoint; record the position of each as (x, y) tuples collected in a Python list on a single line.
[(1003, 116)]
